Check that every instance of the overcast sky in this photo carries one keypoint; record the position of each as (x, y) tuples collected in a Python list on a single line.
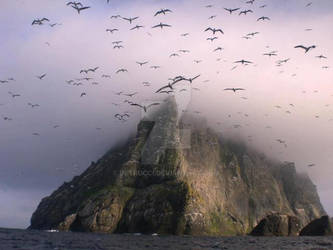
[(74, 130)]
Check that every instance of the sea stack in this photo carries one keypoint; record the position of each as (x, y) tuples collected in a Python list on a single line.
[(178, 176)]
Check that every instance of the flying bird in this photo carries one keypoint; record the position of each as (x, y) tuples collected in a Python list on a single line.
[(115, 16), (41, 77), (147, 84), (13, 95), (117, 42), (145, 108), (33, 105), (155, 67), (214, 30), (162, 11), (218, 48), (283, 61), (79, 9), (39, 21), (142, 63), (245, 12), (212, 38), (270, 54), (111, 30), (89, 70), (54, 24), (161, 25), (234, 89), (131, 94), (321, 57), (121, 70), (137, 27), (280, 141), (6, 118), (305, 48), (263, 18), (253, 33), (231, 10), (130, 19), (243, 62), (173, 55), (74, 4)]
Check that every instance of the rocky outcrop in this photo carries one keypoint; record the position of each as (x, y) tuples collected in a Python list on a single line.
[(178, 177), (277, 225), (318, 227)]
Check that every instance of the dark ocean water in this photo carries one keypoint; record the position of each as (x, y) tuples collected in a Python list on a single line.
[(36, 240)]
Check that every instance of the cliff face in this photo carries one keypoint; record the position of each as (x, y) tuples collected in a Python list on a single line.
[(177, 178)]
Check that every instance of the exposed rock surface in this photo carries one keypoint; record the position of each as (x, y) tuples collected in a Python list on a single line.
[(159, 182), (318, 227), (277, 225)]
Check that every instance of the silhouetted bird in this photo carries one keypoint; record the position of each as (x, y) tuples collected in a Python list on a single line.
[(305, 48), (141, 63), (79, 9), (245, 12), (145, 108), (40, 21), (111, 30), (234, 89), (130, 19), (211, 38), (137, 27), (214, 30), (321, 57), (121, 70), (243, 62), (231, 10), (161, 25), (263, 18), (162, 11)]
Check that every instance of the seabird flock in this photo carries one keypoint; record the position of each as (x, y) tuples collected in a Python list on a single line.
[(249, 10)]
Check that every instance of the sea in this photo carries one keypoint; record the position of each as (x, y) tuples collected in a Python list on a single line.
[(52, 239)]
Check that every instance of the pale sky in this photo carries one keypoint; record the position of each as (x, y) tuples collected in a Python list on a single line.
[(33, 166)]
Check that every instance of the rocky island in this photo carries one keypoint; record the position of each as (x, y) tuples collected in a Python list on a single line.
[(178, 176)]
